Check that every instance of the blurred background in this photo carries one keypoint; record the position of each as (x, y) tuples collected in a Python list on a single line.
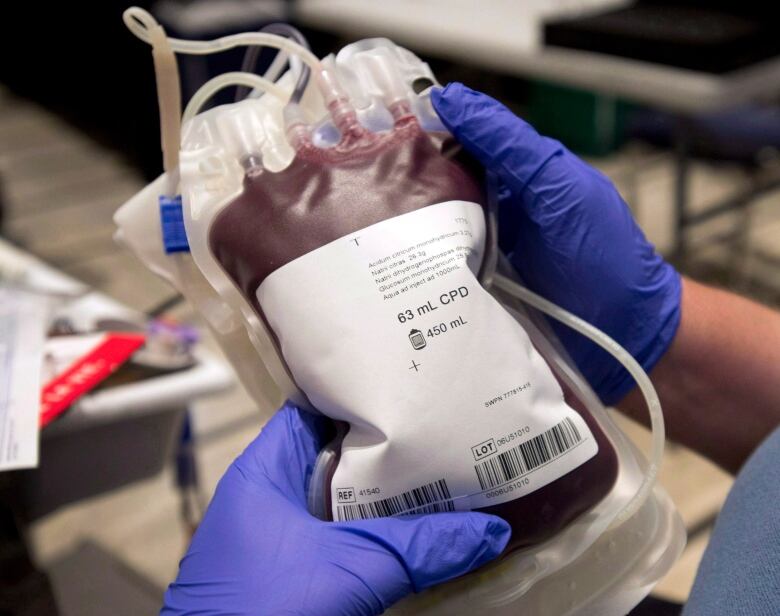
[(677, 102)]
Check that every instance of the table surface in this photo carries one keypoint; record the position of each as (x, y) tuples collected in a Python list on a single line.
[(505, 36)]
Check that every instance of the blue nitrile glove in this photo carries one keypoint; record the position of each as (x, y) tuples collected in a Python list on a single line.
[(258, 551), (571, 237)]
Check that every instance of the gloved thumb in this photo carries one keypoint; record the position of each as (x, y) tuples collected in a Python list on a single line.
[(494, 135), (434, 548)]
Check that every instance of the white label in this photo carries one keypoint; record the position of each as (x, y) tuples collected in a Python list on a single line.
[(23, 318), (449, 404)]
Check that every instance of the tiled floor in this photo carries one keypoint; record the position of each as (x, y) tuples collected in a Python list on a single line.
[(61, 191)]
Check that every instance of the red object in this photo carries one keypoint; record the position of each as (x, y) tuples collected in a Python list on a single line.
[(86, 373)]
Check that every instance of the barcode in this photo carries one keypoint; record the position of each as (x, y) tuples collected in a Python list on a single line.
[(528, 455), (430, 498)]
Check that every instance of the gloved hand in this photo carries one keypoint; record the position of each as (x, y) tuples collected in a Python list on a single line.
[(258, 551), (571, 237)]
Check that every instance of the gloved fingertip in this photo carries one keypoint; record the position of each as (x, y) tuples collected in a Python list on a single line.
[(497, 533), (494, 135), (459, 543), (448, 94), (305, 421), (480, 537), (449, 103), (437, 547), (288, 423)]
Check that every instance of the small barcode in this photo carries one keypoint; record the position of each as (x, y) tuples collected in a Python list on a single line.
[(430, 498), (528, 455)]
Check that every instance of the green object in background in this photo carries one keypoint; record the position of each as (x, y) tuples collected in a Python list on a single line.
[(587, 123)]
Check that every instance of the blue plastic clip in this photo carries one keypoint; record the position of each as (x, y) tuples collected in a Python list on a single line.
[(174, 235)]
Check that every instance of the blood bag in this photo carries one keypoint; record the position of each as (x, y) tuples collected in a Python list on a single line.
[(341, 225)]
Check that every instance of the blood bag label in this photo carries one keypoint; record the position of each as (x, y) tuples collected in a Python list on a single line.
[(449, 404)]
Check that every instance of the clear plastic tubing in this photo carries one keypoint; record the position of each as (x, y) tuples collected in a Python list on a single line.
[(138, 21), (141, 22), (278, 65), (212, 86), (253, 53), (630, 364)]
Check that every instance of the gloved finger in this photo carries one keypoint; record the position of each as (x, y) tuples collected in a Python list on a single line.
[(502, 142), (493, 134), (437, 547), (285, 451)]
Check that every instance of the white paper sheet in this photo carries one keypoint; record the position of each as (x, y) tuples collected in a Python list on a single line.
[(23, 319)]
